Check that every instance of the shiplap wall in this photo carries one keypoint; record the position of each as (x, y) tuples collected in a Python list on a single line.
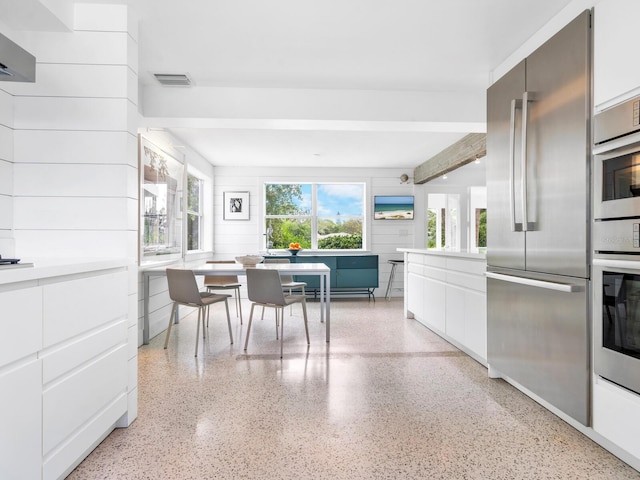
[(75, 148), (68, 152), (7, 248)]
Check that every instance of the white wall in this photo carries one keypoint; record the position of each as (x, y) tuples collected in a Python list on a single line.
[(74, 140), (7, 247)]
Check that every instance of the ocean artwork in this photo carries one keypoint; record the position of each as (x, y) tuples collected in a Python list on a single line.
[(393, 207)]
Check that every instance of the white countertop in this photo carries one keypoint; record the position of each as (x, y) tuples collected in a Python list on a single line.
[(445, 253), (55, 267)]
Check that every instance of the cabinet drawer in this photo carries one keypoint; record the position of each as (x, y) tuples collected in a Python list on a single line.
[(21, 324), (368, 261), (357, 278)]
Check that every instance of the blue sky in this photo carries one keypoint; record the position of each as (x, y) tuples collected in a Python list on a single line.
[(335, 197)]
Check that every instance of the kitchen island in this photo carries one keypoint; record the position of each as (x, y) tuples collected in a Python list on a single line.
[(446, 292)]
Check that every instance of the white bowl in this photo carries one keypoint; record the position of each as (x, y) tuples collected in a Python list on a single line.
[(249, 260)]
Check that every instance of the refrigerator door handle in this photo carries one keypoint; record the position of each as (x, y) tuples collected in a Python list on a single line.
[(559, 287), (527, 226), (515, 104)]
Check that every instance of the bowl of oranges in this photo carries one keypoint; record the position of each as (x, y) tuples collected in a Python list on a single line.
[(294, 248)]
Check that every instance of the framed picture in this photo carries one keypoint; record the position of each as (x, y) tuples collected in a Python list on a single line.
[(235, 206)]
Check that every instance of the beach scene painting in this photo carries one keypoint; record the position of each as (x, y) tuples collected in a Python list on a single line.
[(393, 207)]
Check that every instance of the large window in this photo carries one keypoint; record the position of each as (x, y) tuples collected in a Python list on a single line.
[(194, 212), (318, 216)]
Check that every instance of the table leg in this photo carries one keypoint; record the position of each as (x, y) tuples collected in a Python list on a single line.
[(145, 315)]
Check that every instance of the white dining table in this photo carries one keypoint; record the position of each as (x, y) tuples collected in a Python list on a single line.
[(319, 269)]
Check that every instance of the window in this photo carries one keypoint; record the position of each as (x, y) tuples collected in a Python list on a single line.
[(194, 212), (318, 216), (443, 223), (161, 177)]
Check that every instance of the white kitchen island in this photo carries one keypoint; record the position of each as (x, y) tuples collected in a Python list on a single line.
[(446, 292)]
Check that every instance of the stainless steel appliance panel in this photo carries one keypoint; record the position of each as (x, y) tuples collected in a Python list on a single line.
[(558, 152), (616, 318), (617, 236), (539, 337), (616, 171), (504, 188)]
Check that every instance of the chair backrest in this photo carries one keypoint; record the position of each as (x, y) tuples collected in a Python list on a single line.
[(283, 278), (183, 287), (265, 286), (220, 279)]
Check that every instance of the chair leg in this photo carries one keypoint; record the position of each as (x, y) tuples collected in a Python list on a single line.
[(246, 339), (226, 305), (198, 330), (173, 311), (281, 330), (239, 303), (277, 321), (304, 315)]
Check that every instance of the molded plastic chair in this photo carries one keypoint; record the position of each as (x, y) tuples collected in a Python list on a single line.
[(183, 290), (226, 282), (287, 280), (265, 289)]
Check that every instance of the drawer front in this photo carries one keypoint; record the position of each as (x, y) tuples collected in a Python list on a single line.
[(367, 261), (21, 324), (357, 278)]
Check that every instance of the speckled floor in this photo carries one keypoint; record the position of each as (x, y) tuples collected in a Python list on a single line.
[(386, 399)]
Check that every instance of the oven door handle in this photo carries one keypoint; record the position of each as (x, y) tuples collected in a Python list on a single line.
[(559, 287)]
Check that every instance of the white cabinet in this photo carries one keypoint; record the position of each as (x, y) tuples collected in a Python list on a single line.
[(21, 420), (616, 72), (616, 415), (66, 365), (447, 293)]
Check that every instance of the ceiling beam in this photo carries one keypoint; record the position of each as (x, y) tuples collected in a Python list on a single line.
[(464, 151)]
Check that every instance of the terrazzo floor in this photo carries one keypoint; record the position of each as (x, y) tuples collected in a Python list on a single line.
[(386, 399)]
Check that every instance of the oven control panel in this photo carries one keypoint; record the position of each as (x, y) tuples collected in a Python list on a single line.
[(616, 236), (636, 113)]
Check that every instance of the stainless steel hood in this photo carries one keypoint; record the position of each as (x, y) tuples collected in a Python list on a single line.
[(16, 64)]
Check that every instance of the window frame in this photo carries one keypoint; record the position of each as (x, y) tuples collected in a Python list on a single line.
[(191, 173), (313, 216)]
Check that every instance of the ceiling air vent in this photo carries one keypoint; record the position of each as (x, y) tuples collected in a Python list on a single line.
[(173, 79)]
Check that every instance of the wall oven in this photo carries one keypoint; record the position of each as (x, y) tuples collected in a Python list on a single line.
[(616, 244)]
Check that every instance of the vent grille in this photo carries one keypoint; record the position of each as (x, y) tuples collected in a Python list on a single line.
[(173, 79)]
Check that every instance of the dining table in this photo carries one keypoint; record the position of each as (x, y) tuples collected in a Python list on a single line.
[(225, 269)]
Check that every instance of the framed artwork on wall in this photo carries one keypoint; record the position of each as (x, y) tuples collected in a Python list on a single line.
[(235, 206)]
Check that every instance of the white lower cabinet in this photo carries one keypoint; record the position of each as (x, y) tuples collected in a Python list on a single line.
[(616, 415), (21, 421), (448, 295), (67, 369)]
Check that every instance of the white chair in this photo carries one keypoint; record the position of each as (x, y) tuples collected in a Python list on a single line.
[(183, 290), (226, 282), (265, 289)]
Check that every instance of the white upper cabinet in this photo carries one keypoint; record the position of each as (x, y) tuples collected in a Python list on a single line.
[(616, 69)]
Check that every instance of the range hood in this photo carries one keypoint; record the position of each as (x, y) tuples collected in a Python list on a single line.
[(16, 64)]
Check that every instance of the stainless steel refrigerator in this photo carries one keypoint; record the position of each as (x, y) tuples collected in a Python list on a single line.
[(538, 217)]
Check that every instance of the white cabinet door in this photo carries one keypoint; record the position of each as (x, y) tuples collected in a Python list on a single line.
[(616, 71), (475, 322), (415, 294), (21, 421), (455, 311), (434, 304)]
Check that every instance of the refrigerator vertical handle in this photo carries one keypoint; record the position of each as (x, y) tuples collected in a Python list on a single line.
[(515, 226), (527, 97)]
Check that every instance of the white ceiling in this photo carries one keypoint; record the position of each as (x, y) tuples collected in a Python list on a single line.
[(364, 83)]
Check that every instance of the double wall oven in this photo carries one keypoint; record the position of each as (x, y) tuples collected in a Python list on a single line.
[(616, 244)]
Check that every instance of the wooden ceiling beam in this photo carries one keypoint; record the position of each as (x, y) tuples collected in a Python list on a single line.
[(464, 151)]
